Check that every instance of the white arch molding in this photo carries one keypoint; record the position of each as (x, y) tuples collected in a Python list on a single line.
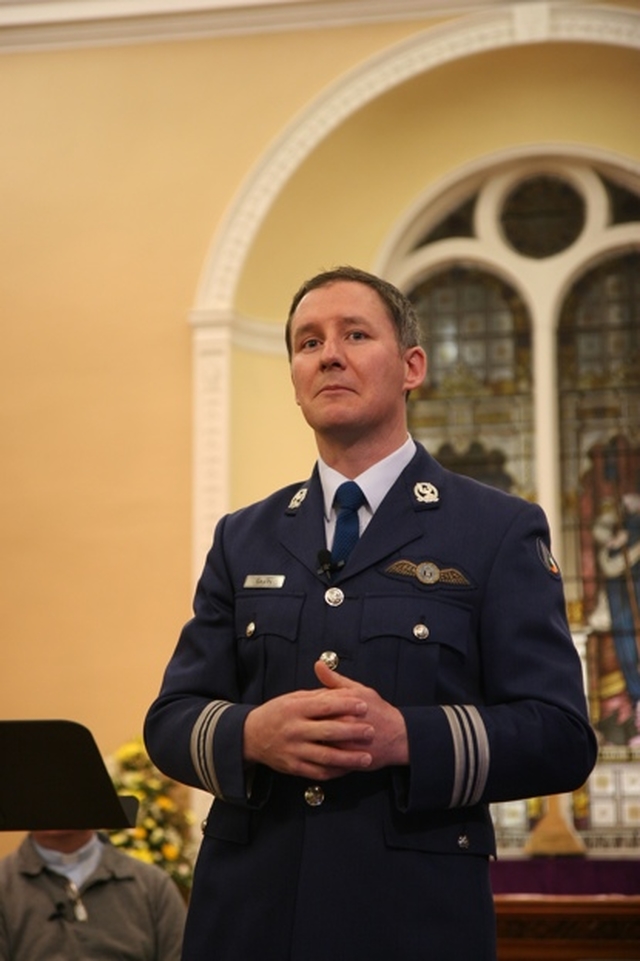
[(215, 326)]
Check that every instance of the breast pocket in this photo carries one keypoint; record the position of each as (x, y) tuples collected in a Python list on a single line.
[(266, 634), (407, 642)]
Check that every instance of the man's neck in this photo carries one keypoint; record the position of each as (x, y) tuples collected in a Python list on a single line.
[(352, 458)]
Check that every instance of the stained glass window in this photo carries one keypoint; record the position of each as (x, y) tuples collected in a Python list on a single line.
[(599, 380), (474, 409)]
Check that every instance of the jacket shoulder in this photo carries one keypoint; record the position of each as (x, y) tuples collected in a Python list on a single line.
[(274, 504)]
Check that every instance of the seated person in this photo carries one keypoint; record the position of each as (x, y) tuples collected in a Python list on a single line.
[(71, 895)]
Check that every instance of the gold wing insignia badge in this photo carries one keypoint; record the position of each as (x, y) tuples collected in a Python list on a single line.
[(405, 568), (449, 575), (427, 572)]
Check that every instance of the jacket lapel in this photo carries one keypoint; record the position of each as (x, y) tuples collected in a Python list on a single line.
[(397, 522), (302, 524)]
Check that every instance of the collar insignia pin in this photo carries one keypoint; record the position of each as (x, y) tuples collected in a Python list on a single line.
[(426, 493), (297, 499)]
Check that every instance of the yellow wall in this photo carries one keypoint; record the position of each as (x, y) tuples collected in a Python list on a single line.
[(117, 166)]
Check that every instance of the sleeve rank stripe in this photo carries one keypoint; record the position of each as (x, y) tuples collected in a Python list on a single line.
[(458, 752), (468, 741), (201, 746), (470, 752), (482, 752)]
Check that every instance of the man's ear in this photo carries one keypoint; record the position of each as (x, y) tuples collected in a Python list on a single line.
[(415, 360)]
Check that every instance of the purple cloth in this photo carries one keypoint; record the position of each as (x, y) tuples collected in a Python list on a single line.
[(562, 875)]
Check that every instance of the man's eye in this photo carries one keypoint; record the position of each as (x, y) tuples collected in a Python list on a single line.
[(357, 335), (309, 344)]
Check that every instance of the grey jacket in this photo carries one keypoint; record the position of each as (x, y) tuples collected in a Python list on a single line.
[(134, 911)]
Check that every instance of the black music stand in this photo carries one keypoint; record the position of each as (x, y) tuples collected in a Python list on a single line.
[(53, 777)]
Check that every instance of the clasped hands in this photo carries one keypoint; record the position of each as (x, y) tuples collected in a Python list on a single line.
[(325, 733)]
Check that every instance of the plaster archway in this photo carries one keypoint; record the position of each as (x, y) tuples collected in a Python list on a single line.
[(216, 323), (515, 24)]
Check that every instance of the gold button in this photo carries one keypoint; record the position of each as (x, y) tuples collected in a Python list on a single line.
[(330, 658), (250, 629), (334, 597), (421, 631), (314, 795)]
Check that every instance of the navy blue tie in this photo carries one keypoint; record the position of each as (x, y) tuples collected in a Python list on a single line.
[(348, 499)]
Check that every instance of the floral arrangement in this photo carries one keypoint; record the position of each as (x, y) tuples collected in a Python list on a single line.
[(163, 833)]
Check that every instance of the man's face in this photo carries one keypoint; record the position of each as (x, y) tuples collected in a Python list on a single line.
[(349, 373), (66, 841)]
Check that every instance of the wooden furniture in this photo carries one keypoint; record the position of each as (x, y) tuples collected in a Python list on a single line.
[(534, 927)]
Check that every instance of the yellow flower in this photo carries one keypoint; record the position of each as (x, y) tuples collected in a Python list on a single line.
[(162, 833), (129, 751), (170, 852), (139, 794), (142, 854)]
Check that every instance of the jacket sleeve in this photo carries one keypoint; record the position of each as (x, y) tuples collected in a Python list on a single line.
[(527, 734), (194, 729)]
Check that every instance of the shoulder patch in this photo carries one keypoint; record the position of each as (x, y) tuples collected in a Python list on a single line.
[(547, 558)]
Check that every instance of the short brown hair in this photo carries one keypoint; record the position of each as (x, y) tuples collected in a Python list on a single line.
[(399, 308)]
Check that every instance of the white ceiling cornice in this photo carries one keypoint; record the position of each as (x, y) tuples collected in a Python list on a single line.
[(37, 24)]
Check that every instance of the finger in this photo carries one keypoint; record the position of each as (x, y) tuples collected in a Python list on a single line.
[(342, 732), (329, 761), (332, 679), (325, 702)]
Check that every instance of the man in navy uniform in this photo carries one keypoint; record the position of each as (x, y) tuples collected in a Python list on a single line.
[(353, 714)]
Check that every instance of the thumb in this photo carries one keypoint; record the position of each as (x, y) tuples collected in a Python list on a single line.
[(331, 679)]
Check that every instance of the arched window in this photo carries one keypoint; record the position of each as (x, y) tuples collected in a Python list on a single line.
[(474, 408), (526, 278)]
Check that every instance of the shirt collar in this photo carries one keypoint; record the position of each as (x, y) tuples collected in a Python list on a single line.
[(77, 865), (375, 482)]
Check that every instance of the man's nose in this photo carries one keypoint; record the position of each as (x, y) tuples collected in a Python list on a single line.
[(332, 354)]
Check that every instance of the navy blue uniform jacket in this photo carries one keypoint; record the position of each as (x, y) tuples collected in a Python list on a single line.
[(452, 608)]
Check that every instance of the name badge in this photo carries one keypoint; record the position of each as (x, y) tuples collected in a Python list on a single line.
[(264, 580)]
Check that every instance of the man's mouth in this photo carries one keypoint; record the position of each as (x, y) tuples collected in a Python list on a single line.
[(333, 388)]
